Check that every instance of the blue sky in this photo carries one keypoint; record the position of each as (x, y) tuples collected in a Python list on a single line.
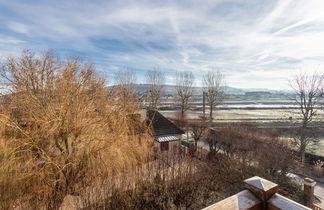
[(255, 43)]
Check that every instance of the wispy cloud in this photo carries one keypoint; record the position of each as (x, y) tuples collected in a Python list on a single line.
[(255, 43), (18, 27)]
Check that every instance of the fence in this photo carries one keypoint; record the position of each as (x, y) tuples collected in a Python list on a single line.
[(317, 207), (259, 194), (166, 166)]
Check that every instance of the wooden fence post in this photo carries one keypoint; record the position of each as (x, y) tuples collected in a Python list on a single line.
[(309, 185), (261, 188)]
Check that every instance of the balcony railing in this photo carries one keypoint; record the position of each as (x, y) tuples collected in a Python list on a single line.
[(261, 194)]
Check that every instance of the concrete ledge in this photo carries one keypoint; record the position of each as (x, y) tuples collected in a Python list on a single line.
[(260, 194), (242, 200), (277, 202)]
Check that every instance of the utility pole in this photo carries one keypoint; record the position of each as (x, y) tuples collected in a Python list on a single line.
[(204, 104)]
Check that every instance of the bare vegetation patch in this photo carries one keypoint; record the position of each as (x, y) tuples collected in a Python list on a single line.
[(59, 124)]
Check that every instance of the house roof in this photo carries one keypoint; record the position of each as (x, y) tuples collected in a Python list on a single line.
[(160, 125)]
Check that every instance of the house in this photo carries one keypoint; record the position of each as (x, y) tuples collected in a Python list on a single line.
[(164, 132)]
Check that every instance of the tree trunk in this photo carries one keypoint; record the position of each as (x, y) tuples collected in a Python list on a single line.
[(303, 145), (302, 153), (211, 113), (182, 113)]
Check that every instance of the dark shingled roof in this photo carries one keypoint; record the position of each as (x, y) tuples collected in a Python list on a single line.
[(160, 125)]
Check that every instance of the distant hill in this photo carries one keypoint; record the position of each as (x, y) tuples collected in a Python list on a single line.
[(171, 90)]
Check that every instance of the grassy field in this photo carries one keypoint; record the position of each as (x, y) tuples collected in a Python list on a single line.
[(275, 118), (320, 148), (261, 115), (264, 117), (258, 115), (317, 149)]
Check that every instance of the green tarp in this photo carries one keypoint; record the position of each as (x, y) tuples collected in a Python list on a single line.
[(184, 143)]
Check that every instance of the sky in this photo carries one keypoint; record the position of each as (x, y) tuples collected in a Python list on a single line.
[(254, 43)]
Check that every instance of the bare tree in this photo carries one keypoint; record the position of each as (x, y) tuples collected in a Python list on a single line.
[(126, 79), (125, 87), (197, 131), (184, 90), (156, 80), (212, 139), (214, 88), (307, 89)]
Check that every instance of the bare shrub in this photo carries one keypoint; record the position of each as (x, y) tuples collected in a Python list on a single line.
[(198, 129), (252, 146), (225, 175), (318, 168), (58, 124), (212, 180)]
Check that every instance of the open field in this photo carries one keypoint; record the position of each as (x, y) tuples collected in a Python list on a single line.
[(267, 113), (317, 149), (260, 114), (257, 115), (242, 108)]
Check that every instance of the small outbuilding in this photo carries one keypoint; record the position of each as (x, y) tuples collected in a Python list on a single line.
[(163, 130)]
